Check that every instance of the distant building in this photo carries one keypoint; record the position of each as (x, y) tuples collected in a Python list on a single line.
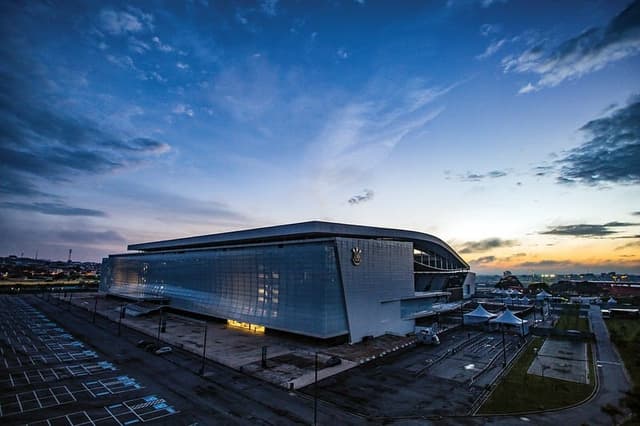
[(317, 279)]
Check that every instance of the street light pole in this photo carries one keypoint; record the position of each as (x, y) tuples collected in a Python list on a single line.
[(120, 319), (159, 326), (504, 348), (204, 348), (315, 393), (95, 308)]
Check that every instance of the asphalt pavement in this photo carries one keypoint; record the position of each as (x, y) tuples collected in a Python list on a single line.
[(222, 396)]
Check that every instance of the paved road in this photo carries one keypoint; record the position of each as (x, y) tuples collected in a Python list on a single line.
[(224, 396)]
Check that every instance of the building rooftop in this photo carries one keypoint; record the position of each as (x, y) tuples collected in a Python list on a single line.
[(298, 231)]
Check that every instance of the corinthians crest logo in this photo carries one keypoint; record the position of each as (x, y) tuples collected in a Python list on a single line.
[(356, 256)]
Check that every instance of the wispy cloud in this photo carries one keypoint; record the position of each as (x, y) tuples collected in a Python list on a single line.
[(526, 89), (591, 51), (131, 20), (588, 230), (632, 244), (488, 3), (42, 142), (477, 177), (492, 49), (483, 260), (611, 153), (361, 198), (90, 237), (137, 45), (49, 208), (487, 260), (269, 7), (182, 109), (161, 46), (489, 29), (486, 245), (362, 133), (127, 63), (342, 53)]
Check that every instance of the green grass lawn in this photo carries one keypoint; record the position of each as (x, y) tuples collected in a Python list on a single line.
[(519, 391), (569, 321), (625, 334)]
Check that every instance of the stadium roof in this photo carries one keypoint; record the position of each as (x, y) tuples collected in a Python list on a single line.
[(303, 230)]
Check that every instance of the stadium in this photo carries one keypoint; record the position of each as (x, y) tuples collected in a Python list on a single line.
[(317, 279)]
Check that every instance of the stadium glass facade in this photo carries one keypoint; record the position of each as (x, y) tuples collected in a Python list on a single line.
[(302, 278)]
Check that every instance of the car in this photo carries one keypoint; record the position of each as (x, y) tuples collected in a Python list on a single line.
[(163, 350), (333, 361)]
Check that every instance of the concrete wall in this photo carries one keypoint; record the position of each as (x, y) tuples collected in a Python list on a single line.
[(384, 274), (469, 285)]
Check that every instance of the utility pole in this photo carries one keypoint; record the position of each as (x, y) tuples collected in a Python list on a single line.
[(315, 393), (122, 310), (95, 308), (159, 326), (504, 348), (204, 348)]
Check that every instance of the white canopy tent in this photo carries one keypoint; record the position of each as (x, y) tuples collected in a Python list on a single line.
[(542, 295), (508, 319), (478, 316)]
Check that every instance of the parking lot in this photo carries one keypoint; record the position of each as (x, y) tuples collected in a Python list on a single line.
[(122, 383), (48, 377), (426, 381)]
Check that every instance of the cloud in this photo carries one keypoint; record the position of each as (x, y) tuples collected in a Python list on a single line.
[(477, 177), (488, 3), (342, 53), (489, 29), (359, 135), (182, 65), (588, 230), (161, 46), (361, 198), (90, 237), (484, 259), (636, 213), (632, 244), (138, 45), (543, 170), (486, 245), (269, 7), (121, 22), (127, 63), (591, 51), (182, 109), (49, 208), (492, 49), (611, 153), (545, 263), (527, 89), (41, 141)]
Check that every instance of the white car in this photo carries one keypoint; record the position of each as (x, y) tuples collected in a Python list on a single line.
[(163, 350)]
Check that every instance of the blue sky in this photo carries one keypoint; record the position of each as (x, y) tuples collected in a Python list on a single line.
[(508, 128)]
